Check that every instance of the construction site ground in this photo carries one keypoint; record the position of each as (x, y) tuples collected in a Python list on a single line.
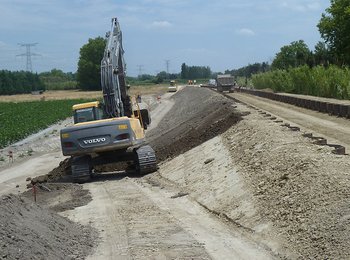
[(232, 183)]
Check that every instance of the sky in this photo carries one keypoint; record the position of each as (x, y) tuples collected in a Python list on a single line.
[(221, 34)]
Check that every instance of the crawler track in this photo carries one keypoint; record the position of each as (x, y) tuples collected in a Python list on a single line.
[(146, 160)]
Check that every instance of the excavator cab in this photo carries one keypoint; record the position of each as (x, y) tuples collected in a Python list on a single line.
[(86, 112)]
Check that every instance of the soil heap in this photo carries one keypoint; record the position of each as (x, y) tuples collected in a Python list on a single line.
[(29, 231)]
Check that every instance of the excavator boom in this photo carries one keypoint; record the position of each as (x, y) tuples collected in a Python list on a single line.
[(116, 100)]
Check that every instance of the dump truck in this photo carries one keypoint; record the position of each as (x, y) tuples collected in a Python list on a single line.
[(112, 130), (225, 82)]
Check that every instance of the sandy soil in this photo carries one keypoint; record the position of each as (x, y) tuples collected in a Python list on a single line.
[(303, 189), (289, 194), (30, 231), (233, 184)]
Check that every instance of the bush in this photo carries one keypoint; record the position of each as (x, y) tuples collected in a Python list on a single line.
[(331, 82)]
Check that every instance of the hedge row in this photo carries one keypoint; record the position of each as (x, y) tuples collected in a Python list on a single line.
[(330, 82)]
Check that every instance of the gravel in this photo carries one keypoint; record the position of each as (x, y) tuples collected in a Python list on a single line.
[(30, 231), (302, 188)]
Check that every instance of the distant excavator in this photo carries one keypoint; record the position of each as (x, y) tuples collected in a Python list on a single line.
[(113, 130)]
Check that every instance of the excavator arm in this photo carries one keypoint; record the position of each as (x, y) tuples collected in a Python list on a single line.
[(116, 100)]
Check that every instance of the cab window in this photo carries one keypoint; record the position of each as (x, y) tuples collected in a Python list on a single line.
[(84, 115)]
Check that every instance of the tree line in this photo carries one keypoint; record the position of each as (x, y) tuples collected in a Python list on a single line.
[(58, 80), (195, 72), (19, 82), (249, 70)]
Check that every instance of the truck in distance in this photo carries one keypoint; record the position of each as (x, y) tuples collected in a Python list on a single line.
[(225, 82)]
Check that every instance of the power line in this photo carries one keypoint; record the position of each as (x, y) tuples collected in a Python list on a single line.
[(28, 54)]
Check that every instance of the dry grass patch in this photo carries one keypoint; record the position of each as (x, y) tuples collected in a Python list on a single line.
[(77, 94)]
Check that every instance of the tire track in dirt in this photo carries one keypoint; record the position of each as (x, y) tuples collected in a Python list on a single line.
[(132, 226)]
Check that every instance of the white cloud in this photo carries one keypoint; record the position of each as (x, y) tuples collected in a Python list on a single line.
[(246, 32), (161, 24)]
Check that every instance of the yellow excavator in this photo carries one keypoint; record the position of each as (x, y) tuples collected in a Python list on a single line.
[(112, 130)]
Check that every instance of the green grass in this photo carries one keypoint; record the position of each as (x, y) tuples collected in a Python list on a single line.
[(19, 120)]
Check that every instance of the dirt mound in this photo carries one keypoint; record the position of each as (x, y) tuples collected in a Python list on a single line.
[(29, 231), (60, 196), (58, 173), (198, 115)]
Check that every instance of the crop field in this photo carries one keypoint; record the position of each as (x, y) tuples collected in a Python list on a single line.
[(18, 120)]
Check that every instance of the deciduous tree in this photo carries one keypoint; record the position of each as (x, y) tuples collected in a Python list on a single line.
[(293, 55), (89, 65), (334, 27)]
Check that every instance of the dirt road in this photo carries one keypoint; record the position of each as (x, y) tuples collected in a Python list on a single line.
[(35, 155), (139, 220), (13, 177), (336, 130)]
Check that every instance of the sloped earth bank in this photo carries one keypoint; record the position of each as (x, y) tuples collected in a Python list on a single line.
[(197, 116), (273, 183)]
